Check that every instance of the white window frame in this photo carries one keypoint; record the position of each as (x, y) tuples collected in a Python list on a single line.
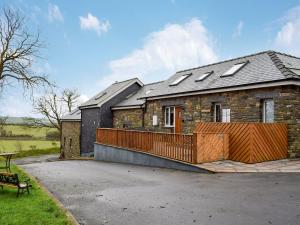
[(204, 76), (215, 111), (169, 108), (234, 69), (264, 115), (225, 115), (180, 79)]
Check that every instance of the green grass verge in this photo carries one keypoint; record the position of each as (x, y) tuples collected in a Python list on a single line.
[(36, 208), (37, 152), (17, 145)]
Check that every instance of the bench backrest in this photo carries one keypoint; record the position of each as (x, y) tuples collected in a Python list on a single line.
[(9, 178)]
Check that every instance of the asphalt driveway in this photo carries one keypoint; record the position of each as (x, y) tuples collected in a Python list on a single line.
[(111, 193)]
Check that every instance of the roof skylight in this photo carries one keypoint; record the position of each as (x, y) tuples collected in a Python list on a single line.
[(100, 95), (295, 70), (180, 79), (203, 76), (148, 91), (234, 69)]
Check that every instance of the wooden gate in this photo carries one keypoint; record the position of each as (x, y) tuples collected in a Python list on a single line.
[(251, 142), (213, 147)]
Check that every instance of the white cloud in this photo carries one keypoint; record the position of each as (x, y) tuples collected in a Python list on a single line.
[(14, 105), (288, 37), (91, 22), (54, 13), (164, 52), (238, 29)]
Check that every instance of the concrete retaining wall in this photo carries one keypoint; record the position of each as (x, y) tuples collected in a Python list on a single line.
[(120, 155)]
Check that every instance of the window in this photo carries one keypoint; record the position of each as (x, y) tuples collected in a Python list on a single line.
[(203, 76), (179, 79), (64, 141), (217, 112), (234, 69), (148, 91), (226, 115), (268, 111), (70, 142), (100, 95), (169, 116)]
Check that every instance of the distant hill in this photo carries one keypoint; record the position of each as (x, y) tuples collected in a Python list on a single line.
[(20, 120)]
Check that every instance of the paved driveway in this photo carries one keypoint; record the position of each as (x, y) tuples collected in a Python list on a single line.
[(110, 193)]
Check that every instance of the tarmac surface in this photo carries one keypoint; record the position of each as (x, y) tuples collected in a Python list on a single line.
[(111, 193)]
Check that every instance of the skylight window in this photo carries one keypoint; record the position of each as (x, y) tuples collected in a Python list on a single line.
[(149, 91), (100, 95), (295, 70), (234, 69), (203, 76), (180, 79)]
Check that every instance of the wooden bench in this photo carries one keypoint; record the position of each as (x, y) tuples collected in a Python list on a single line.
[(12, 180)]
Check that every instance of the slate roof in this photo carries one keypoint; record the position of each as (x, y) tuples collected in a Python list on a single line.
[(134, 99), (75, 115), (109, 93), (267, 66)]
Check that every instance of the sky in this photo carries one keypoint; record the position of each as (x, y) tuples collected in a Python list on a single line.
[(92, 43)]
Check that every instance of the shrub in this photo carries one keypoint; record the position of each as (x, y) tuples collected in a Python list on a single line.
[(53, 135), (32, 147)]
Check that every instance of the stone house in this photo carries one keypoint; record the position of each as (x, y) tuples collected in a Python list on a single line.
[(263, 87), (70, 134)]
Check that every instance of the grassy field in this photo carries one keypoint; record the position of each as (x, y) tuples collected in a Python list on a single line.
[(23, 145), (36, 132), (28, 141), (36, 208)]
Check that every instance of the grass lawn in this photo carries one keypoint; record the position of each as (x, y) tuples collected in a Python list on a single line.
[(36, 132), (20, 145), (37, 208)]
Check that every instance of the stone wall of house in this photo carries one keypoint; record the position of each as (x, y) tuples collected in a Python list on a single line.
[(245, 106), (70, 139), (128, 118)]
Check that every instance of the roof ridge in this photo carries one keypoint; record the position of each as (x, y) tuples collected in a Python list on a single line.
[(134, 78), (286, 54), (280, 65), (228, 60)]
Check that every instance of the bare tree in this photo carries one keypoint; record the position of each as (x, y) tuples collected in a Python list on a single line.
[(53, 106), (70, 97), (18, 51), (3, 121)]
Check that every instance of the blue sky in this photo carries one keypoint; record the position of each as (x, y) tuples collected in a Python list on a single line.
[(93, 43)]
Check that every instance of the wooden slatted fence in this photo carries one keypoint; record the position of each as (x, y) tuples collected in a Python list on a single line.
[(251, 142), (174, 146)]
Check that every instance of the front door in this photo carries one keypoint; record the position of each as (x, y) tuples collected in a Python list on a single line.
[(178, 120)]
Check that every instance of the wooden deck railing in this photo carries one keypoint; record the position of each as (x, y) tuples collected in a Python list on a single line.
[(175, 146)]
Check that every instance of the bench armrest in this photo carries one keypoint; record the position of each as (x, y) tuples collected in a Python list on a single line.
[(27, 180)]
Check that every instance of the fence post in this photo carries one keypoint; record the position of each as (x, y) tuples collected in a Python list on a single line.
[(195, 148)]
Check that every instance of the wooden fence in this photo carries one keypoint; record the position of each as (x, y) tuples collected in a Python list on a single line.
[(175, 146), (250, 142)]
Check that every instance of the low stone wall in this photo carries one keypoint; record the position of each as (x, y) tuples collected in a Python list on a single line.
[(120, 155)]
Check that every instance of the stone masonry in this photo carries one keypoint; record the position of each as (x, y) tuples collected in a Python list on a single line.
[(128, 118), (70, 139)]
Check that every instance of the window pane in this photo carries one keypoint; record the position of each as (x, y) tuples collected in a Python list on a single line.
[(218, 113), (167, 115), (269, 111), (171, 116)]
